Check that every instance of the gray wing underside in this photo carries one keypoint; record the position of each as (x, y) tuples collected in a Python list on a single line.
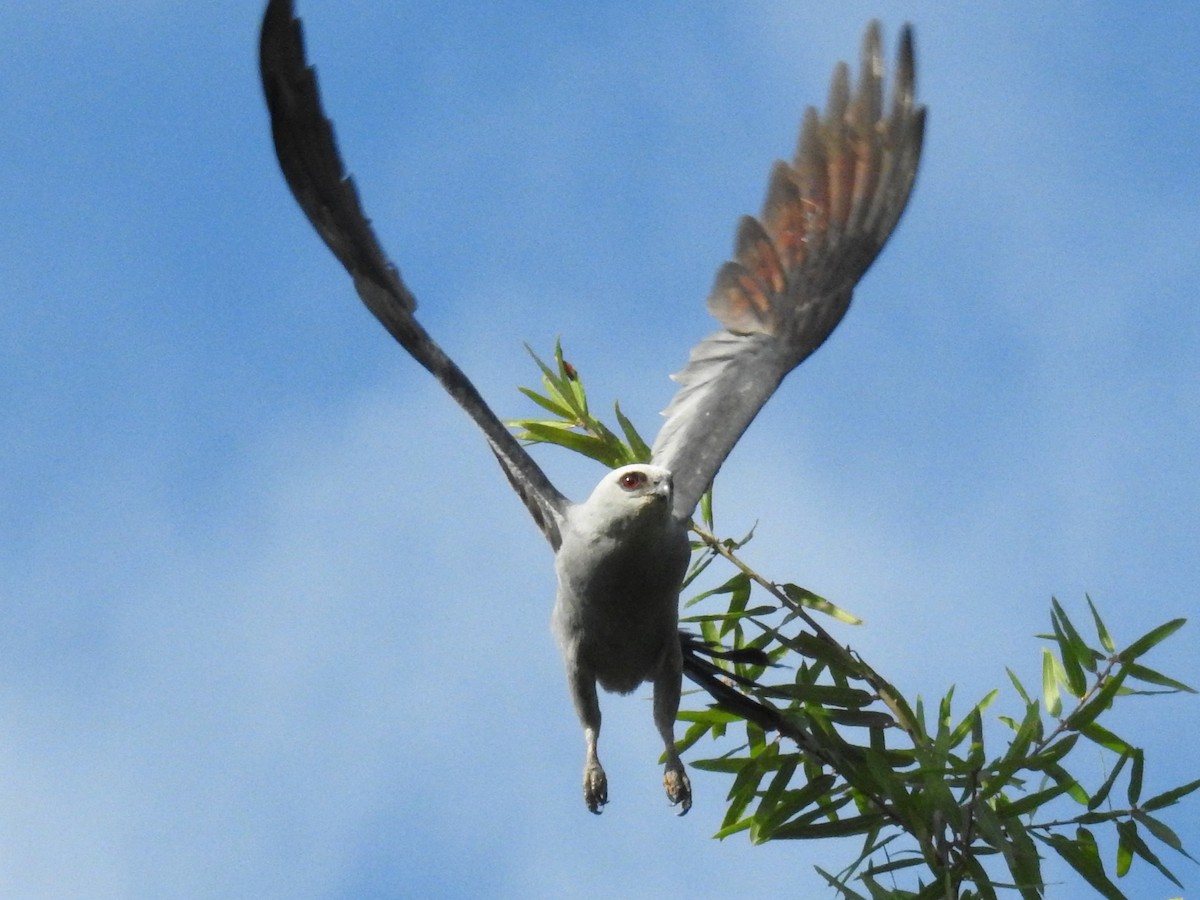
[(312, 166), (825, 219)]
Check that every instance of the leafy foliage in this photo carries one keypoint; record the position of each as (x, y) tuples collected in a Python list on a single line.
[(827, 747)]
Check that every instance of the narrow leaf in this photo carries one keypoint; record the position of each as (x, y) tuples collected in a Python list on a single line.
[(1098, 734), (1098, 704), (1150, 639), (1103, 791), (1082, 856), (826, 695), (1072, 651), (1052, 754), (706, 509), (1125, 830), (1171, 797), (1142, 673), (1050, 695), (1134, 791), (1079, 649), (545, 403), (841, 828), (1017, 684), (1106, 640), (641, 450), (1074, 789), (971, 719), (585, 444), (841, 886), (1030, 802), (1130, 838), (1162, 831), (809, 600)]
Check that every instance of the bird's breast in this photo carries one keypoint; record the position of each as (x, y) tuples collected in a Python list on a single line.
[(618, 601)]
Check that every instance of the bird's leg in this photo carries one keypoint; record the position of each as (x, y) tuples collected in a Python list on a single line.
[(666, 705), (587, 707)]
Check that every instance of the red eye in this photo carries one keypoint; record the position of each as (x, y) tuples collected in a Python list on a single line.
[(631, 481)]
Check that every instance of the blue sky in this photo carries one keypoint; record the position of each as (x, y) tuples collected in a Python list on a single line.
[(274, 625)]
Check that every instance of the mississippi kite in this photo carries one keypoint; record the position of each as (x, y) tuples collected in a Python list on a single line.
[(621, 555)]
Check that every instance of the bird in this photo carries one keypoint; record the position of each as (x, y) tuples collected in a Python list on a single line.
[(621, 555)]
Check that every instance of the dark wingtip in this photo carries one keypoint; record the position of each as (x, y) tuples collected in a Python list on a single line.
[(306, 148), (906, 70)]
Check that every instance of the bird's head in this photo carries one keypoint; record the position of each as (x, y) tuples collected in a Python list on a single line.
[(633, 492)]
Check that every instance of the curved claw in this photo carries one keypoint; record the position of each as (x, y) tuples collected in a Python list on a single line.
[(679, 788), (595, 788)]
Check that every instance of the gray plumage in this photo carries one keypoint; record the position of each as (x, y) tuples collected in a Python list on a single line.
[(621, 555)]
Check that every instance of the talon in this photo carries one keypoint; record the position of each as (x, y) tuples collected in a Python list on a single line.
[(679, 788), (595, 788)]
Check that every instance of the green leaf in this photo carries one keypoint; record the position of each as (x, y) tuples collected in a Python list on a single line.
[(779, 804), (692, 735), (894, 865), (971, 719), (1098, 734), (1017, 684), (1014, 758), (1049, 756), (641, 451), (1171, 797), (1124, 847), (569, 383), (706, 509), (1074, 789), (739, 596), (1101, 702), (861, 718), (727, 765), (842, 888), (730, 616), (1030, 802), (1141, 673), (585, 444), (1134, 791), (1161, 830), (840, 828), (742, 791), (1132, 841), (1051, 698), (1073, 651), (1103, 791), (545, 403), (1082, 856), (1106, 640), (558, 385), (739, 581), (1023, 860), (806, 598), (1150, 639), (768, 802), (1083, 653), (823, 694), (815, 648), (707, 716), (734, 828)]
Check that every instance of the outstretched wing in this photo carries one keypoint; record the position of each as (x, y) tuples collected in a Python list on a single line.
[(309, 158), (825, 219)]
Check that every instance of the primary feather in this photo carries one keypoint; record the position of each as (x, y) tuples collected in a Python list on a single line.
[(825, 219), (312, 167)]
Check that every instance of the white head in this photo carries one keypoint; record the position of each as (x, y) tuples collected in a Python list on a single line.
[(632, 492)]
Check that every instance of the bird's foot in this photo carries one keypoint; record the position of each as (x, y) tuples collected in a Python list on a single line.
[(595, 787), (678, 787)]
